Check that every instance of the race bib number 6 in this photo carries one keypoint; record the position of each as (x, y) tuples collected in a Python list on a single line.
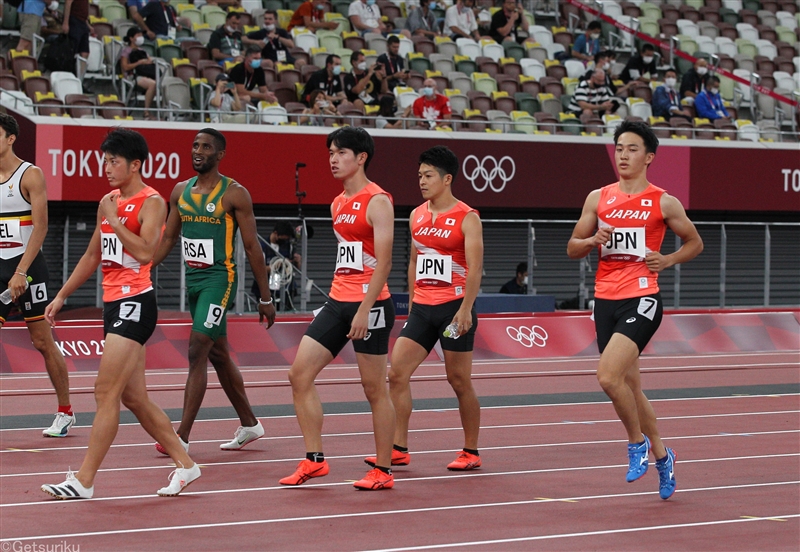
[(349, 258)]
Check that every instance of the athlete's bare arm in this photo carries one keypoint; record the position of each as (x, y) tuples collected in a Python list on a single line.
[(380, 215), (237, 200), (34, 190), (173, 230), (473, 249), (84, 270), (584, 238), (675, 217), (412, 263), (143, 246)]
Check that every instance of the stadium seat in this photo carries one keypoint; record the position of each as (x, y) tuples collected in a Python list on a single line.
[(64, 83)]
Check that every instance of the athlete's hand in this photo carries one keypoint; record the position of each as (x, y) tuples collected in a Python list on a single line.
[(266, 312), (463, 319), (108, 206), (656, 262), (52, 310), (17, 286), (359, 326), (602, 236)]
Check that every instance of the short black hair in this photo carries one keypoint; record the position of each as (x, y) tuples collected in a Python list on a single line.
[(594, 25), (125, 143), (219, 138), (9, 124), (330, 58), (231, 15), (713, 78), (646, 47), (273, 12), (668, 69), (355, 55), (356, 139), (252, 49), (442, 159), (600, 55), (522, 268), (641, 129), (284, 228), (392, 40)]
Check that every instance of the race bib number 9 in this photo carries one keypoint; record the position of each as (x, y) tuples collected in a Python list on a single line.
[(434, 270), (198, 253), (111, 249), (625, 242), (10, 235), (215, 315), (349, 258)]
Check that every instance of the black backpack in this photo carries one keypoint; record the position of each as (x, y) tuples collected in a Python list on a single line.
[(14, 3), (60, 56)]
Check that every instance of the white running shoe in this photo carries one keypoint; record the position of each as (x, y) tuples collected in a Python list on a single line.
[(179, 479), (244, 436), (69, 489), (61, 425), (161, 450)]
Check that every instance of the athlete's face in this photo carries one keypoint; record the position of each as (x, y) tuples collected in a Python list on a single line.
[(631, 156), (118, 170), (6, 141), (431, 183), (344, 163), (205, 156)]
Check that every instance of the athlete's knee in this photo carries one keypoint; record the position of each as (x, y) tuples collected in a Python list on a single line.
[(106, 392), (399, 378), (300, 379), (374, 391), (134, 402), (460, 383)]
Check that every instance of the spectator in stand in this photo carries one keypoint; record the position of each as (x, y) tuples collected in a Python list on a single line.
[(592, 97), (363, 86), (135, 63), (53, 19), (365, 17), (695, 80), (641, 67), (587, 45), (159, 20), (275, 42), (519, 284), (224, 100), (603, 60), (387, 117), (328, 80), (320, 108), (460, 22), (134, 6), (76, 25), (422, 21), (30, 20), (708, 103), (225, 43), (311, 15), (507, 23), (279, 242), (666, 101), (251, 83), (431, 106), (393, 64)]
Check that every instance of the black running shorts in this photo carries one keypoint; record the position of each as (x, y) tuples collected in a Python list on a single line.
[(332, 324), (133, 317), (35, 299), (426, 325), (637, 318)]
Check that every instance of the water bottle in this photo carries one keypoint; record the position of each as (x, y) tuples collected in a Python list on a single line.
[(451, 331), (5, 297)]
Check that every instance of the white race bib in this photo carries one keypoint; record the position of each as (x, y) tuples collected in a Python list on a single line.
[(349, 258), (198, 253), (10, 235), (172, 32), (628, 242), (235, 52), (281, 55), (434, 270), (377, 319), (130, 310), (215, 316), (634, 73), (111, 248)]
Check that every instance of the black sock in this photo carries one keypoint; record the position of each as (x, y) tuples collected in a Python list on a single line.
[(315, 456), (472, 451), (399, 448), (387, 471)]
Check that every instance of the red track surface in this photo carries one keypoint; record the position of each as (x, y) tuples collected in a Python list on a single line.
[(552, 476)]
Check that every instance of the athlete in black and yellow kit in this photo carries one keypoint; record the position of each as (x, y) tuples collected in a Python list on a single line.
[(205, 212)]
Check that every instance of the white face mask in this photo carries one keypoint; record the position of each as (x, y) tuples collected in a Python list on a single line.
[(53, 6), (594, 36), (647, 60), (139, 40), (525, 281), (606, 66), (670, 82), (702, 70), (230, 29), (362, 66), (714, 90), (270, 27)]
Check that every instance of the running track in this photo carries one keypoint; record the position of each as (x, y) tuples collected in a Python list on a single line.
[(553, 474)]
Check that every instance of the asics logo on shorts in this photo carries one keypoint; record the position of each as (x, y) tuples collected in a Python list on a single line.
[(366, 337), (483, 173), (528, 337), (118, 323)]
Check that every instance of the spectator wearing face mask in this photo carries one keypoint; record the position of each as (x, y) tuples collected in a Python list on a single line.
[(320, 110), (225, 43), (641, 67), (275, 42), (362, 85), (251, 83), (311, 15), (666, 100), (603, 60), (695, 80), (431, 106), (519, 284), (422, 22), (365, 17), (158, 19), (460, 22), (592, 97), (708, 103), (279, 243), (328, 80), (587, 45)]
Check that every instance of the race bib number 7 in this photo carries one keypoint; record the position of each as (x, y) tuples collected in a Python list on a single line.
[(625, 242), (349, 258)]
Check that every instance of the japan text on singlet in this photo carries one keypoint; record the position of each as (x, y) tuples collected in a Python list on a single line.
[(441, 273), (124, 276), (355, 251), (16, 224), (208, 234), (639, 228)]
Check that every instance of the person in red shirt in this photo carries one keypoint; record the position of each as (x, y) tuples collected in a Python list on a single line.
[(311, 15), (431, 106), (359, 308), (626, 222), (130, 221), (444, 277)]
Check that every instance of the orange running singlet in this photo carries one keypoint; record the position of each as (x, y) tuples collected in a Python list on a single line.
[(639, 228), (124, 276), (441, 273), (355, 252)]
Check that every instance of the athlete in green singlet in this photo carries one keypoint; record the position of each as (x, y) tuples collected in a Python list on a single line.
[(205, 212)]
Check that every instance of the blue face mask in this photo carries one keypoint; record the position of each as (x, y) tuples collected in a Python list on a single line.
[(426, 91), (371, 2), (337, 70), (433, 6), (255, 63)]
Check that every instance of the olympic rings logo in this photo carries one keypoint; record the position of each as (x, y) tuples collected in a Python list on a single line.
[(487, 169), (528, 337)]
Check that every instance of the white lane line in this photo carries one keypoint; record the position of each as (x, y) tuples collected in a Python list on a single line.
[(589, 533), (369, 513)]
